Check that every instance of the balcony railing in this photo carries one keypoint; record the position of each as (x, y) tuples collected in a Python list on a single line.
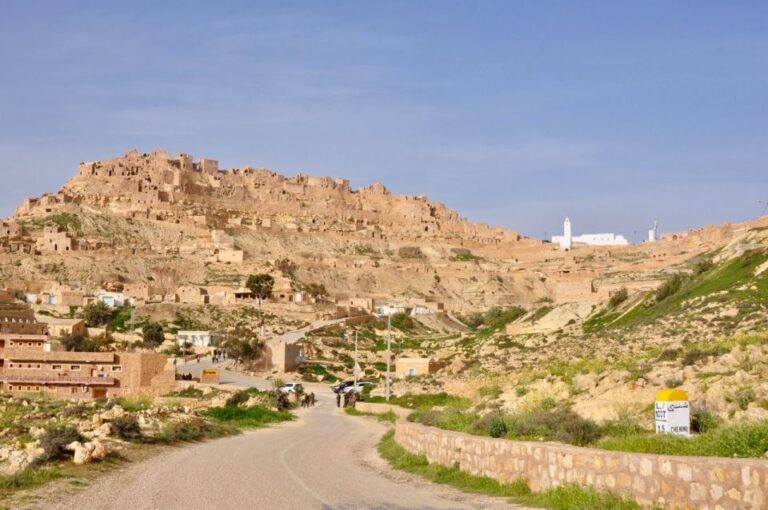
[(57, 380)]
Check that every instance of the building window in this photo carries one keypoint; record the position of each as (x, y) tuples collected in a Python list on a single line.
[(411, 371), (74, 368), (55, 367), (73, 390), (117, 368)]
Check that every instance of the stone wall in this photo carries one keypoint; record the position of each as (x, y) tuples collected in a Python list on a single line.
[(706, 483)]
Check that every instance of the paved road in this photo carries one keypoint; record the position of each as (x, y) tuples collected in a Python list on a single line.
[(292, 337), (227, 377), (324, 460)]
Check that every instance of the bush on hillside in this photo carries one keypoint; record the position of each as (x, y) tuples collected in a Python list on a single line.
[(618, 298), (54, 442), (126, 428), (239, 398), (670, 287)]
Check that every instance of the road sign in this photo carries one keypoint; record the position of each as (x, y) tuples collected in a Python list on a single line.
[(357, 370), (210, 376), (673, 412)]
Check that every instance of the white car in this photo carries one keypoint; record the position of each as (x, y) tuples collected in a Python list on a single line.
[(357, 388), (291, 388)]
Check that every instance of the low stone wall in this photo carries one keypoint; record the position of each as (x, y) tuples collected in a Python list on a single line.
[(365, 407), (706, 483)]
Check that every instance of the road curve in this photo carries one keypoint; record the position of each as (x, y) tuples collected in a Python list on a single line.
[(324, 460)]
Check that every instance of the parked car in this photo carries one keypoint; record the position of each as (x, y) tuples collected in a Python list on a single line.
[(340, 387), (357, 388), (291, 388)]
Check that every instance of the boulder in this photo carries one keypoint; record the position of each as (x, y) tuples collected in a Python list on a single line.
[(100, 450), (458, 366), (83, 453)]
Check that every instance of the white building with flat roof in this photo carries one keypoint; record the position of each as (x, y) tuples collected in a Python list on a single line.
[(196, 338), (567, 240)]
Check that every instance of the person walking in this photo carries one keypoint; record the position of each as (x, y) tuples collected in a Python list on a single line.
[(338, 400)]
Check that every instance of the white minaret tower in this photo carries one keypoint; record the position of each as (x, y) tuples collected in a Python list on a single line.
[(653, 234), (567, 235)]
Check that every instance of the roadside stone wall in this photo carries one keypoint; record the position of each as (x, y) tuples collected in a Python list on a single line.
[(706, 483)]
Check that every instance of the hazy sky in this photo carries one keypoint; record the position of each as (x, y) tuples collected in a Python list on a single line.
[(512, 112)]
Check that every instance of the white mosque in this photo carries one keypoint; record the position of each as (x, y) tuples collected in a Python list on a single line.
[(567, 240)]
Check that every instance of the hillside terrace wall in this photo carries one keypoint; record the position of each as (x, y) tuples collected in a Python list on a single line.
[(676, 482)]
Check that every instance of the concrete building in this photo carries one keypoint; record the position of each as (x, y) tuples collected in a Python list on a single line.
[(60, 328), (567, 240), (285, 357), (30, 364), (196, 338), (113, 299), (410, 367)]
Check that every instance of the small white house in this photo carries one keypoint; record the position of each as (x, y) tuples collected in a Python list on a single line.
[(389, 309), (113, 299), (196, 338)]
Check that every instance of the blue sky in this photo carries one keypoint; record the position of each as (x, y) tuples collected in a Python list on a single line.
[(512, 112)]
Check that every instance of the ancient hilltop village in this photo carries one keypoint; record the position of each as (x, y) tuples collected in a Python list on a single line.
[(154, 276)]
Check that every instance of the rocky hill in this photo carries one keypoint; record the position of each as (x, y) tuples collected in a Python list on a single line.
[(166, 221)]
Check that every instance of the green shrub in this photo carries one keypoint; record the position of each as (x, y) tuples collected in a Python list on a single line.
[(188, 392), (694, 355), (669, 354), (256, 416), (618, 298), (703, 266), (126, 428), (741, 440), (132, 405), (548, 403), (193, 429), (54, 442), (152, 334), (30, 477), (702, 420), (237, 399), (559, 424), (74, 410), (498, 428), (402, 322), (742, 397), (670, 287)]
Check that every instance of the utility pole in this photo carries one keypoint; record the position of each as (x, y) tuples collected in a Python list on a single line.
[(389, 348), (356, 369)]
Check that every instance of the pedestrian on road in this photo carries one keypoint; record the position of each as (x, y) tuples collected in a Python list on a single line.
[(312, 399), (338, 400)]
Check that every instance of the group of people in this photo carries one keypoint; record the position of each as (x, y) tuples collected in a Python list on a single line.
[(308, 400), (350, 399), (218, 356), (184, 377)]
